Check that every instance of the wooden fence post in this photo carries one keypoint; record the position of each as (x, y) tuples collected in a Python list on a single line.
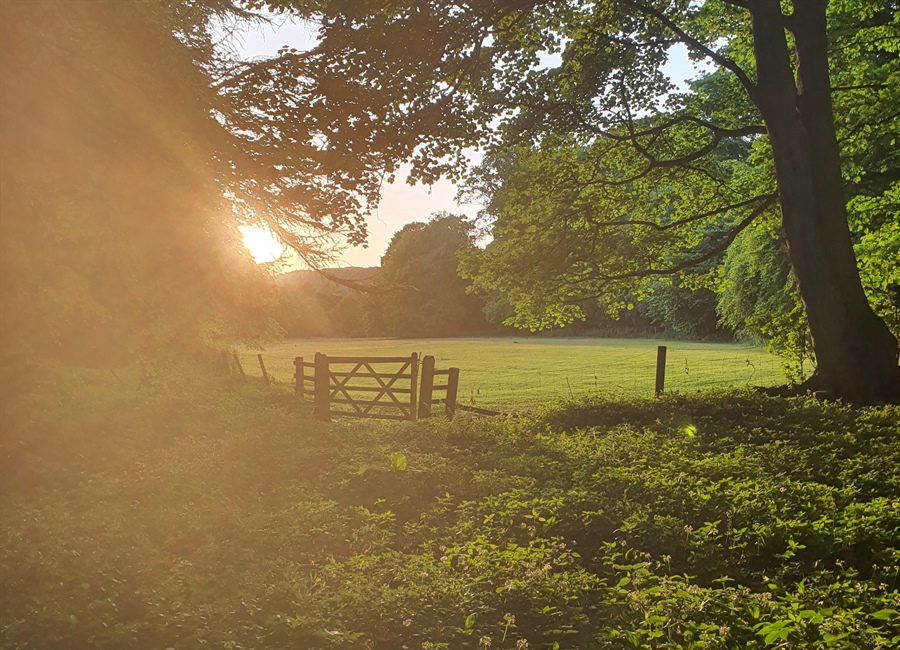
[(323, 386), (299, 377), (262, 366), (660, 369), (452, 389), (427, 386), (413, 385), (240, 368)]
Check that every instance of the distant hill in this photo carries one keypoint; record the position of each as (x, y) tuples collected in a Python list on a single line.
[(316, 280)]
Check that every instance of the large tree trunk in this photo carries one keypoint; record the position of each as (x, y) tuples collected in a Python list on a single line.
[(856, 354)]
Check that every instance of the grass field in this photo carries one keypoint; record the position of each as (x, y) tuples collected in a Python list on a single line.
[(519, 372)]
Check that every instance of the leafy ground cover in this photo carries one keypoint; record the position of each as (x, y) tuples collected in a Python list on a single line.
[(212, 514), (516, 372)]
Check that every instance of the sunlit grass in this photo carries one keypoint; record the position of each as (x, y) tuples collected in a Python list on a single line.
[(525, 371)]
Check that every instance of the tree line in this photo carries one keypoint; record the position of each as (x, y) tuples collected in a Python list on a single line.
[(415, 292), (424, 288)]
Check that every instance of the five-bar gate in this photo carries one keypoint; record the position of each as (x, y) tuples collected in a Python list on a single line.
[(374, 387)]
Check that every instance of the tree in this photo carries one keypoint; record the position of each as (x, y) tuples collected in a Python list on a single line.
[(417, 290), (424, 80), (309, 304), (117, 239), (760, 294), (759, 297), (686, 312)]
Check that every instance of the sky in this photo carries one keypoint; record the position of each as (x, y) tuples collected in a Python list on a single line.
[(400, 202)]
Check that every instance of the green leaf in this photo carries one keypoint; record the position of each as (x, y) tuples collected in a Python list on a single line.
[(778, 634), (831, 638), (398, 462)]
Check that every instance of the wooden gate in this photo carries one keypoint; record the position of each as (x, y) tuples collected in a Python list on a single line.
[(369, 387)]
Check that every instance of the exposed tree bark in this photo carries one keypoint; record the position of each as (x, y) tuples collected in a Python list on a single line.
[(855, 352)]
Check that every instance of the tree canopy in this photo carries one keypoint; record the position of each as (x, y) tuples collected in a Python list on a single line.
[(615, 176), (114, 242), (129, 160), (417, 289), (123, 187)]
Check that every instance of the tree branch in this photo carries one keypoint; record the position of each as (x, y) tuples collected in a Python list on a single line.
[(682, 161), (836, 89), (627, 42), (753, 129), (689, 40), (251, 68), (716, 250), (680, 222)]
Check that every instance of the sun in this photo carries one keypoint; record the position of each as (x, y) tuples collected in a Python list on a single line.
[(263, 246)]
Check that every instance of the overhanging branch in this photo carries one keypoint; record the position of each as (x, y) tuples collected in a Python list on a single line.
[(674, 269), (251, 68), (837, 89), (766, 198), (681, 161)]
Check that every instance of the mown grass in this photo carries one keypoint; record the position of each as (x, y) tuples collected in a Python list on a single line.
[(524, 371), (215, 514)]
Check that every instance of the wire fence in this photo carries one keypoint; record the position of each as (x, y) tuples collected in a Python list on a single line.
[(687, 370), (500, 374), (528, 375)]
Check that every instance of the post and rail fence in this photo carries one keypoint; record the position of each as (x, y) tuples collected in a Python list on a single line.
[(405, 390), (450, 389)]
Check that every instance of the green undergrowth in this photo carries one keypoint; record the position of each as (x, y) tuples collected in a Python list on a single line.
[(212, 514)]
